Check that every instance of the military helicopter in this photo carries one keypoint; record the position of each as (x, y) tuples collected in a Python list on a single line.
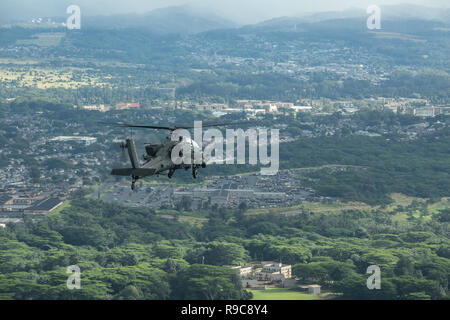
[(157, 157)]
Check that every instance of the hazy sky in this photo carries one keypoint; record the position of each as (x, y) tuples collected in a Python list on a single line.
[(242, 11)]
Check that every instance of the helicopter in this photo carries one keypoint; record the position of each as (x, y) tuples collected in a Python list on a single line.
[(158, 157)]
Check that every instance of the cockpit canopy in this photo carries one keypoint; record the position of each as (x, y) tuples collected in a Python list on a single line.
[(152, 149)]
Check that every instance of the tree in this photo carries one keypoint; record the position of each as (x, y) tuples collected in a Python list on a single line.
[(54, 163), (35, 174), (310, 272), (130, 292), (263, 227), (288, 253), (243, 207), (206, 282), (418, 296), (222, 253), (355, 287), (323, 271), (404, 266), (166, 251), (184, 204)]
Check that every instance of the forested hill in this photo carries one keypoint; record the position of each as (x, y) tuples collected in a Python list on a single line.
[(169, 20), (126, 253)]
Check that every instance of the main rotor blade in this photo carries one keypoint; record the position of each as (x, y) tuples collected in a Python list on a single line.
[(224, 124), (173, 128), (148, 127), (209, 124), (126, 125)]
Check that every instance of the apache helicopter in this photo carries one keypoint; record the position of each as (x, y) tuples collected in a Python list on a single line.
[(157, 157)]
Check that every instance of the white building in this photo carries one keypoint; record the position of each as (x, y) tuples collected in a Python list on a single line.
[(301, 108), (314, 289), (86, 140), (425, 112), (101, 108), (243, 271), (274, 271)]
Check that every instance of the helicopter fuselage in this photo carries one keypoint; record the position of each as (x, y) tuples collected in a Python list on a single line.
[(159, 159)]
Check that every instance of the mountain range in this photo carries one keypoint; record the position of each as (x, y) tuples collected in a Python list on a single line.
[(190, 20)]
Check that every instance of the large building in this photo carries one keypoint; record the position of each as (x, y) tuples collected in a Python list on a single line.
[(243, 272), (44, 206), (425, 112), (86, 140), (301, 108), (128, 105), (212, 106), (274, 271), (31, 205), (101, 108), (16, 204)]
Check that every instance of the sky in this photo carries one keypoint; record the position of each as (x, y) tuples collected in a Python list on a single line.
[(241, 11)]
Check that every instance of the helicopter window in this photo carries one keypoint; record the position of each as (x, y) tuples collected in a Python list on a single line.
[(151, 150), (181, 153), (181, 138)]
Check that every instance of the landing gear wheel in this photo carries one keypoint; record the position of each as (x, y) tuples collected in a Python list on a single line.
[(194, 172), (171, 172), (133, 182)]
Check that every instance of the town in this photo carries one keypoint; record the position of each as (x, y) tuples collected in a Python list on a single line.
[(62, 164)]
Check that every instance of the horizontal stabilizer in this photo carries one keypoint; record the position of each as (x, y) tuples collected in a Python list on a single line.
[(122, 172), (138, 172)]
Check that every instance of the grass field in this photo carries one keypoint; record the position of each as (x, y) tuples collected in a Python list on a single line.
[(433, 208), (283, 294), (44, 78), (43, 40), (18, 61), (66, 204), (314, 207), (400, 36), (336, 207)]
